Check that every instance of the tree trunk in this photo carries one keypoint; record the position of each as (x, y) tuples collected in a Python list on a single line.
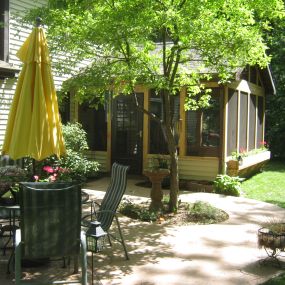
[(169, 133), (174, 182)]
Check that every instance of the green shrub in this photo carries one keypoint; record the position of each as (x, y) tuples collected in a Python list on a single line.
[(74, 166), (227, 185), (75, 137)]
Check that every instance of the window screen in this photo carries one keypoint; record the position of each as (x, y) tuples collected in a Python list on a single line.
[(203, 128), (157, 142), (94, 122), (252, 121), (232, 121), (243, 122), (260, 115)]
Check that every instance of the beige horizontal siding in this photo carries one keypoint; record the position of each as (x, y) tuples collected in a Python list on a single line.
[(99, 156), (198, 168), (194, 168)]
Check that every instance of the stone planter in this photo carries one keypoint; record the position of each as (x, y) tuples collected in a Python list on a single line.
[(156, 194), (248, 165)]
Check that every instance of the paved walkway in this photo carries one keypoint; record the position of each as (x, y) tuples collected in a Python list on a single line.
[(219, 254)]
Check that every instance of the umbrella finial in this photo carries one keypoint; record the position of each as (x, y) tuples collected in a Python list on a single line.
[(38, 21)]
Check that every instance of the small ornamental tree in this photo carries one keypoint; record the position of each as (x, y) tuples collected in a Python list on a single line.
[(152, 42)]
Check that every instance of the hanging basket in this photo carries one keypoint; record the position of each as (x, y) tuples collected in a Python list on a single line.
[(268, 239)]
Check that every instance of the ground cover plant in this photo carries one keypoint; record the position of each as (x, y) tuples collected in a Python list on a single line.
[(269, 185), (198, 212)]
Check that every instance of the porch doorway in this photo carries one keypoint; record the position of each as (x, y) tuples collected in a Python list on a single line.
[(127, 127)]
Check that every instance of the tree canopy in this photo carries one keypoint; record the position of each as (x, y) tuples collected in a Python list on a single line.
[(153, 41), (163, 44)]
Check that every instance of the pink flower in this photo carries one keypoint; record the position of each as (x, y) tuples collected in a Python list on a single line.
[(36, 177), (48, 169), (52, 178)]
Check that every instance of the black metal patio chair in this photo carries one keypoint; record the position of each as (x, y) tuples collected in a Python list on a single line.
[(105, 212), (50, 227)]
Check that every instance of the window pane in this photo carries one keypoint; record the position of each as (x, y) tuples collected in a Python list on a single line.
[(243, 122), (94, 123), (211, 123), (157, 142), (203, 128), (260, 114), (232, 122), (252, 115), (192, 132)]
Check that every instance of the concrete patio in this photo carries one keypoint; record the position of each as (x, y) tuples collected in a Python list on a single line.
[(219, 254)]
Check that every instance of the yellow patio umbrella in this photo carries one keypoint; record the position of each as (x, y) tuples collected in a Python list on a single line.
[(34, 127)]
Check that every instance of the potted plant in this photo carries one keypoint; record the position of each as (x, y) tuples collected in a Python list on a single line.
[(272, 236), (157, 171), (9, 176)]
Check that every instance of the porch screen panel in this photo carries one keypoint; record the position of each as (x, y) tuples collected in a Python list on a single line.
[(260, 115), (243, 122), (193, 132), (232, 121), (94, 122), (252, 115), (203, 128), (157, 143)]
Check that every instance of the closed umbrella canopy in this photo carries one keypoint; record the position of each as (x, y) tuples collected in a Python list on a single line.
[(34, 127)]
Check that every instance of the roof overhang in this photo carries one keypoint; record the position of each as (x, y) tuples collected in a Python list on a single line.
[(268, 80)]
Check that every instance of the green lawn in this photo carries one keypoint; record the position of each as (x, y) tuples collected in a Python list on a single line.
[(269, 185)]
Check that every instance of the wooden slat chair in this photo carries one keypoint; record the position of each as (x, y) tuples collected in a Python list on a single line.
[(106, 212), (50, 227)]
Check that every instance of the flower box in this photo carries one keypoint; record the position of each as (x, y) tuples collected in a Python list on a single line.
[(247, 165)]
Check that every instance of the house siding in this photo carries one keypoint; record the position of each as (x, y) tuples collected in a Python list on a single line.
[(99, 156), (17, 35), (198, 168)]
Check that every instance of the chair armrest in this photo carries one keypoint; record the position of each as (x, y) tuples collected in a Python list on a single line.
[(17, 237)]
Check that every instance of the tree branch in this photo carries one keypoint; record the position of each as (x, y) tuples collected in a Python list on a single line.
[(139, 107)]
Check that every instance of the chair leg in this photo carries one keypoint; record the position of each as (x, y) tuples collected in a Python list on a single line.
[(122, 238), (109, 239), (124, 245), (83, 257)]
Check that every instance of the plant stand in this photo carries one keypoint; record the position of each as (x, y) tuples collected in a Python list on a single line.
[(273, 244), (156, 194)]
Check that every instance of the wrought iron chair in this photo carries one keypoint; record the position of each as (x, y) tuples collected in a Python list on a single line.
[(50, 226), (105, 212)]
